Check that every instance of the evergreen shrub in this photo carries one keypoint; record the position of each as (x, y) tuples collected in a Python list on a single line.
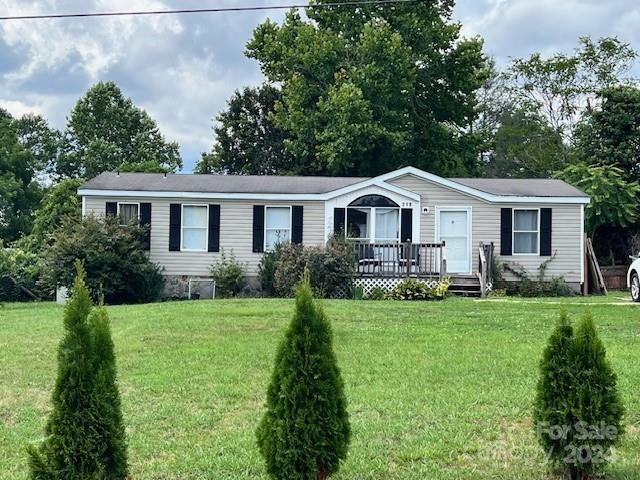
[(304, 433)]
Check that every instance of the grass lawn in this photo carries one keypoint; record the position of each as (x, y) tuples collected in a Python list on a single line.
[(438, 390)]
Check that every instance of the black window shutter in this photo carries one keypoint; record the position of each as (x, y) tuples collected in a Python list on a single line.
[(111, 208), (258, 228), (506, 231), (175, 221), (214, 228), (406, 225), (296, 223), (545, 232), (145, 222), (339, 221)]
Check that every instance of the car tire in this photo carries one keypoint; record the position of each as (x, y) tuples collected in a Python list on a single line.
[(635, 287)]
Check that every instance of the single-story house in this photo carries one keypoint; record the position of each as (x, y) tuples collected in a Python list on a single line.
[(405, 222)]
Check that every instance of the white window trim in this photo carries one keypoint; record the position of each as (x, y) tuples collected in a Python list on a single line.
[(372, 226), (182, 227), (513, 232), (127, 203), (290, 207)]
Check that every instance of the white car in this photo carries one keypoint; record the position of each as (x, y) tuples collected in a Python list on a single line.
[(633, 279)]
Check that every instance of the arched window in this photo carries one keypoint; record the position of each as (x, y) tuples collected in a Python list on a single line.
[(374, 219), (373, 201)]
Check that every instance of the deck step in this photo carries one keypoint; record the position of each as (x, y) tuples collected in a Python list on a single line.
[(467, 285)]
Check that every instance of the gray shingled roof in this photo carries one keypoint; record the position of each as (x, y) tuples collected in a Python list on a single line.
[(157, 182), (530, 187)]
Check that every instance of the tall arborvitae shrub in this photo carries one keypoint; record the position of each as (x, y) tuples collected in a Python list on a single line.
[(578, 412), (305, 431), (596, 402), (552, 405), (78, 443), (113, 457)]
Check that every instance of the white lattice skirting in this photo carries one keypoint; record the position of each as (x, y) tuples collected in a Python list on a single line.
[(368, 284)]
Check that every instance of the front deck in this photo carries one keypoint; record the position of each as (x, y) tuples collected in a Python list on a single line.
[(385, 264)]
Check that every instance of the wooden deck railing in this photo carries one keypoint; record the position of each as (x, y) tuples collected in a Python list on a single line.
[(400, 259), (485, 266)]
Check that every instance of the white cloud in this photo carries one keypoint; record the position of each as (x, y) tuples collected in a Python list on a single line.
[(97, 43), (516, 28), (18, 108), (183, 68)]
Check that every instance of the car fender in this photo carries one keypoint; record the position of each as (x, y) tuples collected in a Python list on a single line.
[(634, 267)]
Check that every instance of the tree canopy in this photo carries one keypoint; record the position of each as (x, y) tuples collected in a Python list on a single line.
[(525, 146), (247, 139), (106, 131), (561, 86), (611, 134), (60, 202), (370, 89), (614, 201), (20, 192)]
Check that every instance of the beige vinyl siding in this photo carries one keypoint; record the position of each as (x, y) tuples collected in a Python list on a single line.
[(565, 227), (236, 231)]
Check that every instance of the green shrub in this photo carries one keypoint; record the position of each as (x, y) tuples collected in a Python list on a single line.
[(538, 286), (20, 271), (112, 255), (578, 411), (441, 289), (84, 432), (377, 293), (557, 287), (596, 399), (267, 269), (552, 404), (331, 268), (529, 288), (107, 397), (498, 292), (414, 289), (305, 432), (229, 274), (357, 292)]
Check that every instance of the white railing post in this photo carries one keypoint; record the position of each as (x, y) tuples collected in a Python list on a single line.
[(443, 260), (482, 266)]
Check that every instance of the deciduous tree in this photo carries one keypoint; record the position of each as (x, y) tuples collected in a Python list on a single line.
[(610, 135), (20, 192), (614, 200), (60, 202), (106, 131), (560, 87), (525, 146), (247, 141), (369, 89)]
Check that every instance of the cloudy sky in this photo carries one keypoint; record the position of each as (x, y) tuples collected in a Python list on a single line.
[(182, 68)]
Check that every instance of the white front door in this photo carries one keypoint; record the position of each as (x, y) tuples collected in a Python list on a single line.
[(453, 228)]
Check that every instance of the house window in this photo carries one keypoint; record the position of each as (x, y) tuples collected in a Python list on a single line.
[(387, 225), (373, 224), (373, 218), (358, 223), (277, 226), (526, 232), (194, 228), (128, 213)]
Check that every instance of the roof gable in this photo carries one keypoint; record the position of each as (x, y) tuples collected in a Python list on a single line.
[(500, 190)]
